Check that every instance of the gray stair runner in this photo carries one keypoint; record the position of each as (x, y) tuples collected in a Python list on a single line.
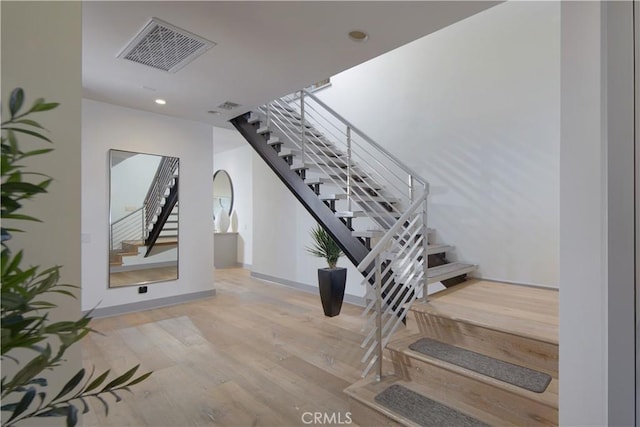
[(422, 410)]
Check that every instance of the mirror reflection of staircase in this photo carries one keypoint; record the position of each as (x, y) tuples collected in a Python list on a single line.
[(449, 364)]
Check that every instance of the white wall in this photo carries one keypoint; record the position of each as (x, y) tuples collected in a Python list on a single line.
[(106, 126), (130, 182), (41, 52), (474, 108), (282, 231), (238, 162)]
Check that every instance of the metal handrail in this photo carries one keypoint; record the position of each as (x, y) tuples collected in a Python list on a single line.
[(364, 136), (290, 127)]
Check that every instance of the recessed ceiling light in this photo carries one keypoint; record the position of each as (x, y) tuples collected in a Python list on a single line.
[(213, 112), (358, 36), (148, 88), (160, 101)]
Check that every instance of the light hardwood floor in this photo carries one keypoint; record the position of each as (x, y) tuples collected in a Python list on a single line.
[(256, 354)]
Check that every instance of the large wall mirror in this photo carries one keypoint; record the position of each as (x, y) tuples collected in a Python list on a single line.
[(143, 218), (222, 193)]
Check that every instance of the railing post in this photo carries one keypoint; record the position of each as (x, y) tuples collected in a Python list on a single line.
[(379, 316), (425, 242), (268, 115), (348, 168), (143, 221), (302, 132), (412, 183)]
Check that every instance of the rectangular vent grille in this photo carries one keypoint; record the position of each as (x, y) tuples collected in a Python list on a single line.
[(165, 47)]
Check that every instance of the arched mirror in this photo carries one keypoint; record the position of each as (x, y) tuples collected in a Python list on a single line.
[(222, 193)]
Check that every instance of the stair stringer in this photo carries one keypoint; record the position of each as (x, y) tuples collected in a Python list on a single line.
[(352, 247)]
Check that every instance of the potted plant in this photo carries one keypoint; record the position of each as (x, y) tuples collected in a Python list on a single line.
[(331, 280), (32, 342)]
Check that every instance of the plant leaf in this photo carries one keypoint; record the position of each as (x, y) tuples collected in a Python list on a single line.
[(106, 405), (28, 132), (96, 383), (15, 101), (140, 379), (71, 384), (28, 122), (42, 106), (85, 406), (72, 416), (121, 379), (24, 403)]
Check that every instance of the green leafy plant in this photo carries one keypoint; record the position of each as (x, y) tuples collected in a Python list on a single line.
[(25, 302), (324, 246)]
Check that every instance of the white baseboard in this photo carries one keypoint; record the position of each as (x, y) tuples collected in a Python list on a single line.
[(351, 299), (150, 304)]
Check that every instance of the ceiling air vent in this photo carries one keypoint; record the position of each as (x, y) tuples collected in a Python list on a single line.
[(164, 46), (228, 105)]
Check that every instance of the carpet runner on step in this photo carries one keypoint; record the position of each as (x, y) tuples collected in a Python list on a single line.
[(513, 374), (422, 410)]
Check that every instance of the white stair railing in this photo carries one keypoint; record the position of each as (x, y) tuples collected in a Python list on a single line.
[(392, 195), (399, 275)]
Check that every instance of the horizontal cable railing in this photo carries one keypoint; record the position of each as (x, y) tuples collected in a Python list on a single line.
[(128, 228), (373, 179)]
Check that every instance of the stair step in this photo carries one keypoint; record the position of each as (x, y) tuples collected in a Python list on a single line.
[(296, 166), (329, 197), (517, 324), (366, 410), (466, 388), (447, 271), (351, 214), (316, 181), (289, 152), (438, 248), (274, 140), (253, 118), (369, 234)]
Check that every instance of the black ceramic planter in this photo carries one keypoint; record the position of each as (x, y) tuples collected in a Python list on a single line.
[(332, 283)]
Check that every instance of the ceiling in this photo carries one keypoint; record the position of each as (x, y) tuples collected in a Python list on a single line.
[(264, 49)]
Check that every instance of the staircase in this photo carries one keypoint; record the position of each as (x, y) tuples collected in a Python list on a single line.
[(153, 224), (372, 204), (375, 208), (508, 323)]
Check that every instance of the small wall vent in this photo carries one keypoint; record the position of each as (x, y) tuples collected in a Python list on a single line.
[(228, 105), (163, 46)]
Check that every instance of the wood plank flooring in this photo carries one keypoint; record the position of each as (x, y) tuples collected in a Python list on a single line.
[(261, 354), (257, 354)]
